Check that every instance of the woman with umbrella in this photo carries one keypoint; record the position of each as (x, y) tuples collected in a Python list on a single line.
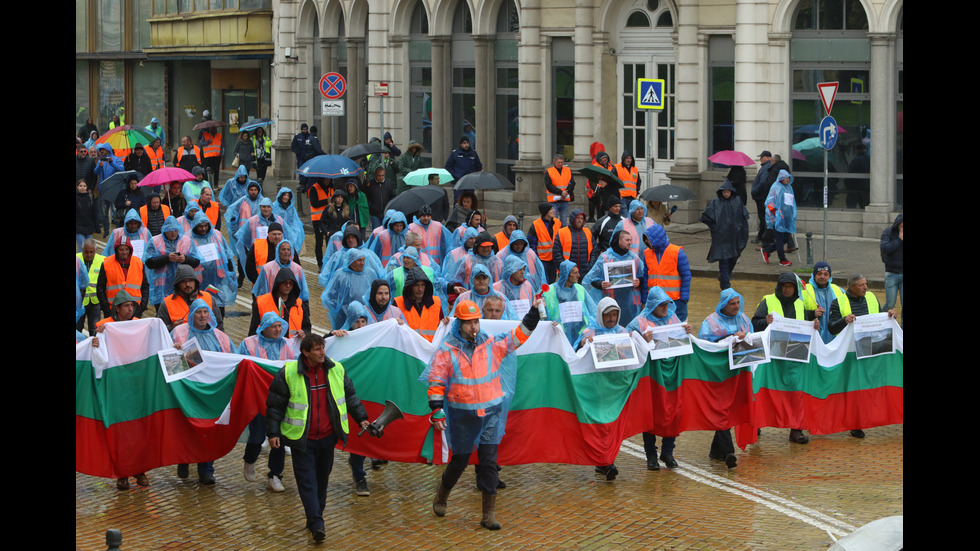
[(245, 151)]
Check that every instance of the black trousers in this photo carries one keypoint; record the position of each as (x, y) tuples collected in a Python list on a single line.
[(486, 478)]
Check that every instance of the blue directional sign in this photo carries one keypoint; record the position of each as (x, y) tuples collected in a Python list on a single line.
[(827, 132), (650, 93)]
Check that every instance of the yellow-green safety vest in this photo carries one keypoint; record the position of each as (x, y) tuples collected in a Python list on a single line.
[(293, 425), (773, 305), (845, 305), (91, 297)]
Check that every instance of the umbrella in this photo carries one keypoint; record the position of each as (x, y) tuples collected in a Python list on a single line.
[(410, 201), (361, 150), (124, 138), (252, 125), (883, 534), (110, 187), (667, 192), (728, 157), (420, 177), (482, 180), (329, 166), (207, 125), (163, 176), (593, 172)]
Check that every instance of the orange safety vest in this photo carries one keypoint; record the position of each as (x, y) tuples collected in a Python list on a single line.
[(502, 241), (629, 178), (317, 212), (211, 212), (559, 180), (178, 308), (261, 252), (664, 273), (475, 379), (266, 303), (565, 238), (116, 280), (156, 157), (545, 240), (427, 322), (214, 148), (197, 153), (145, 209)]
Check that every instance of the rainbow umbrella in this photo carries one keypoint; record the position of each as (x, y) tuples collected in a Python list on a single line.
[(124, 138)]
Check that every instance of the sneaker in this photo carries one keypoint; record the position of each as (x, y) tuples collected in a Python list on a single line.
[(275, 484), (785, 263), (248, 471), (319, 534), (362, 487), (765, 256), (183, 470)]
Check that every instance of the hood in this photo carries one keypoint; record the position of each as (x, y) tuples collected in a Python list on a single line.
[(351, 256), (564, 269), (170, 224), (604, 304), (413, 275), (479, 269), (375, 285), (726, 296), (413, 253), (185, 272), (655, 298), (265, 202), (191, 210), (269, 319), (601, 155), (515, 236), (627, 153), (105, 147), (414, 144), (242, 171), (787, 277), (784, 174), (636, 204), (470, 232), (575, 214), (509, 218), (154, 120), (898, 220), (395, 217), (197, 305), (595, 148), (132, 216), (387, 136), (283, 190), (287, 264), (201, 218), (512, 264), (387, 216), (285, 274), (356, 310), (351, 229), (658, 237), (726, 185)]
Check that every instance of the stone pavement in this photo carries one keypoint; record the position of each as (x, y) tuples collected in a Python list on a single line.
[(781, 496)]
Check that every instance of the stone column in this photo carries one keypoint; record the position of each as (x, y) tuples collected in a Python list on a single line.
[(356, 94), (441, 83), (587, 104), (884, 127), (485, 101), (533, 67)]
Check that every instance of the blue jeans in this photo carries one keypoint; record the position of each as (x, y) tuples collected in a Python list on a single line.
[(650, 445), (681, 311), (561, 211), (312, 467), (779, 244), (894, 288), (256, 435)]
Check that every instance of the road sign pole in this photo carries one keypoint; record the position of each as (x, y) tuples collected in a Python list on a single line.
[(825, 194)]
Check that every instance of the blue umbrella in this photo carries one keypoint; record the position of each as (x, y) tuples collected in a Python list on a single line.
[(329, 166), (255, 124)]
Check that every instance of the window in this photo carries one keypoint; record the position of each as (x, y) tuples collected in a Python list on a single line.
[(505, 108), (563, 92), (420, 80), (721, 114)]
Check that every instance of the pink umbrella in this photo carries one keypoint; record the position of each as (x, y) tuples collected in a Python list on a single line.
[(731, 158), (165, 175), (798, 156)]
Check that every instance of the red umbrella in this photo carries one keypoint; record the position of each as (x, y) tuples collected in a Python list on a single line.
[(731, 158)]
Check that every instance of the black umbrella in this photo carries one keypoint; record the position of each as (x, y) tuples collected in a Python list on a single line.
[(667, 192), (613, 183), (110, 187), (410, 201), (482, 180), (209, 125), (361, 150)]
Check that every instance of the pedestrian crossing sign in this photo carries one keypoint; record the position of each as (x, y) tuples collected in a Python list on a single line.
[(650, 93)]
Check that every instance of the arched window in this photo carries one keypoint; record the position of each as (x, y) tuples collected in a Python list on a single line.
[(830, 43), (638, 19), (463, 115)]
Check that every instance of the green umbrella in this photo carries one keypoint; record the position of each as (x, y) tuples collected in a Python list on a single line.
[(420, 177)]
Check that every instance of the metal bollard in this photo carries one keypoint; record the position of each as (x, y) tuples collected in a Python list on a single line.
[(520, 220), (809, 249), (113, 540)]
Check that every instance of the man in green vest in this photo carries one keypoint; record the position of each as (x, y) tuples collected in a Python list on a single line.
[(859, 302), (307, 409), (787, 303)]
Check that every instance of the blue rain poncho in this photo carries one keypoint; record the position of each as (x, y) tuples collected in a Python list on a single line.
[(436, 239), (455, 256), (297, 235), (558, 294), (387, 242), (635, 229), (479, 299), (234, 190), (377, 312), (466, 264), (646, 319), (781, 205), (260, 346), (190, 211), (524, 291), (395, 275), (630, 300), (535, 269), (162, 279), (821, 297), (345, 286), (465, 429), (219, 272), (596, 326), (267, 276), (245, 236), (142, 234), (718, 326), (240, 211), (356, 310), (211, 338), (333, 260)]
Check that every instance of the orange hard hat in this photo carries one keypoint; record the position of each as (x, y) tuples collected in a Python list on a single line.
[(467, 310)]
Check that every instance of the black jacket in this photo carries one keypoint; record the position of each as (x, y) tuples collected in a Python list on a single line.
[(893, 248), (279, 399)]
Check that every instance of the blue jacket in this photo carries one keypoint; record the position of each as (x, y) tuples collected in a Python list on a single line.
[(462, 162), (781, 205), (109, 165)]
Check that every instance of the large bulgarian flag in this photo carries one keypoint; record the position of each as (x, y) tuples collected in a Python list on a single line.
[(130, 419)]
